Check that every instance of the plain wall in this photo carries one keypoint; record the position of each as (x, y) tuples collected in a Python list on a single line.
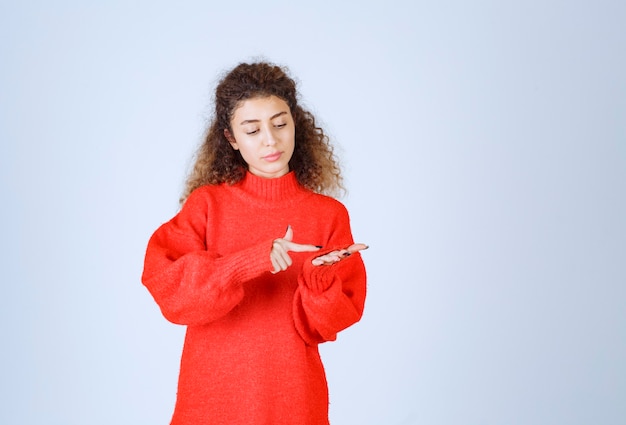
[(484, 149)]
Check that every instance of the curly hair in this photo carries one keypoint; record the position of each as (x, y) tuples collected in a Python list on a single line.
[(216, 162)]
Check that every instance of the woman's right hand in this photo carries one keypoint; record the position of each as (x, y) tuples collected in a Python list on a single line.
[(280, 251)]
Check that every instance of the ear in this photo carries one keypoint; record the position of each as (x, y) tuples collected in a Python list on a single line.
[(230, 139)]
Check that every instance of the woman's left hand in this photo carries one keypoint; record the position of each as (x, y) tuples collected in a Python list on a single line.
[(338, 255)]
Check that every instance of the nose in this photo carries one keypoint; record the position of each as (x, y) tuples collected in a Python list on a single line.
[(270, 137)]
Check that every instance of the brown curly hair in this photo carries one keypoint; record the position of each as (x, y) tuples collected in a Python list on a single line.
[(216, 162)]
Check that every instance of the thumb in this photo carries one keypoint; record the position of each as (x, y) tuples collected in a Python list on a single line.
[(288, 234), (357, 247)]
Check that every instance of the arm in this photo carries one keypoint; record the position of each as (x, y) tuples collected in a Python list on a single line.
[(191, 283), (330, 298)]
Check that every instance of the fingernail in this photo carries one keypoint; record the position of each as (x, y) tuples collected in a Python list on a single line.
[(319, 246), (347, 254)]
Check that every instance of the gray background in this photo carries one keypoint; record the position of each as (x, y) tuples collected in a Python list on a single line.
[(484, 147)]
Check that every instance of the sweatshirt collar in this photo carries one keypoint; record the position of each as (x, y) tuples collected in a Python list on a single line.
[(276, 189)]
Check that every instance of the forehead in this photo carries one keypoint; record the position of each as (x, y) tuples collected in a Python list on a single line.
[(258, 108)]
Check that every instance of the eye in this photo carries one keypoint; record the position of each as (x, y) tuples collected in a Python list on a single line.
[(252, 132), (280, 125)]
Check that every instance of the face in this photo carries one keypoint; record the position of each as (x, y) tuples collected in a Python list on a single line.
[(263, 132)]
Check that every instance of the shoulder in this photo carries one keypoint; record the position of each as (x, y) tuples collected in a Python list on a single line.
[(329, 205), (206, 194), (201, 203)]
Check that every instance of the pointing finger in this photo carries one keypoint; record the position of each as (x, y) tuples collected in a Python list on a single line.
[(296, 247)]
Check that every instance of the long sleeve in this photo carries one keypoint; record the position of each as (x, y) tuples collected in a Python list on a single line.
[(330, 298), (250, 354), (189, 281)]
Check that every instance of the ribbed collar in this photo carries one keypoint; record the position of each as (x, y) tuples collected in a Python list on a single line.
[(277, 189)]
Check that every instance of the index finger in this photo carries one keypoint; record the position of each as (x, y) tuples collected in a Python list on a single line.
[(296, 247)]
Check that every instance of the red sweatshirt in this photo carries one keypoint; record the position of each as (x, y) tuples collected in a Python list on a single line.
[(251, 348)]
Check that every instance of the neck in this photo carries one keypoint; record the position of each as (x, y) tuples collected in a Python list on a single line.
[(274, 189)]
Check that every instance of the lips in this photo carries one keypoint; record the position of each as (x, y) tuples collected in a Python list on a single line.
[(273, 156)]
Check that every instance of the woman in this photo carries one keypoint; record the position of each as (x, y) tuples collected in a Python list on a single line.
[(259, 263)]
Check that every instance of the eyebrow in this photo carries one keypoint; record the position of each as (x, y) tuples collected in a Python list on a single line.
[(244, 122)]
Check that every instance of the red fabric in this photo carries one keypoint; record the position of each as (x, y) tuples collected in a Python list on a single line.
[(250, 354)]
